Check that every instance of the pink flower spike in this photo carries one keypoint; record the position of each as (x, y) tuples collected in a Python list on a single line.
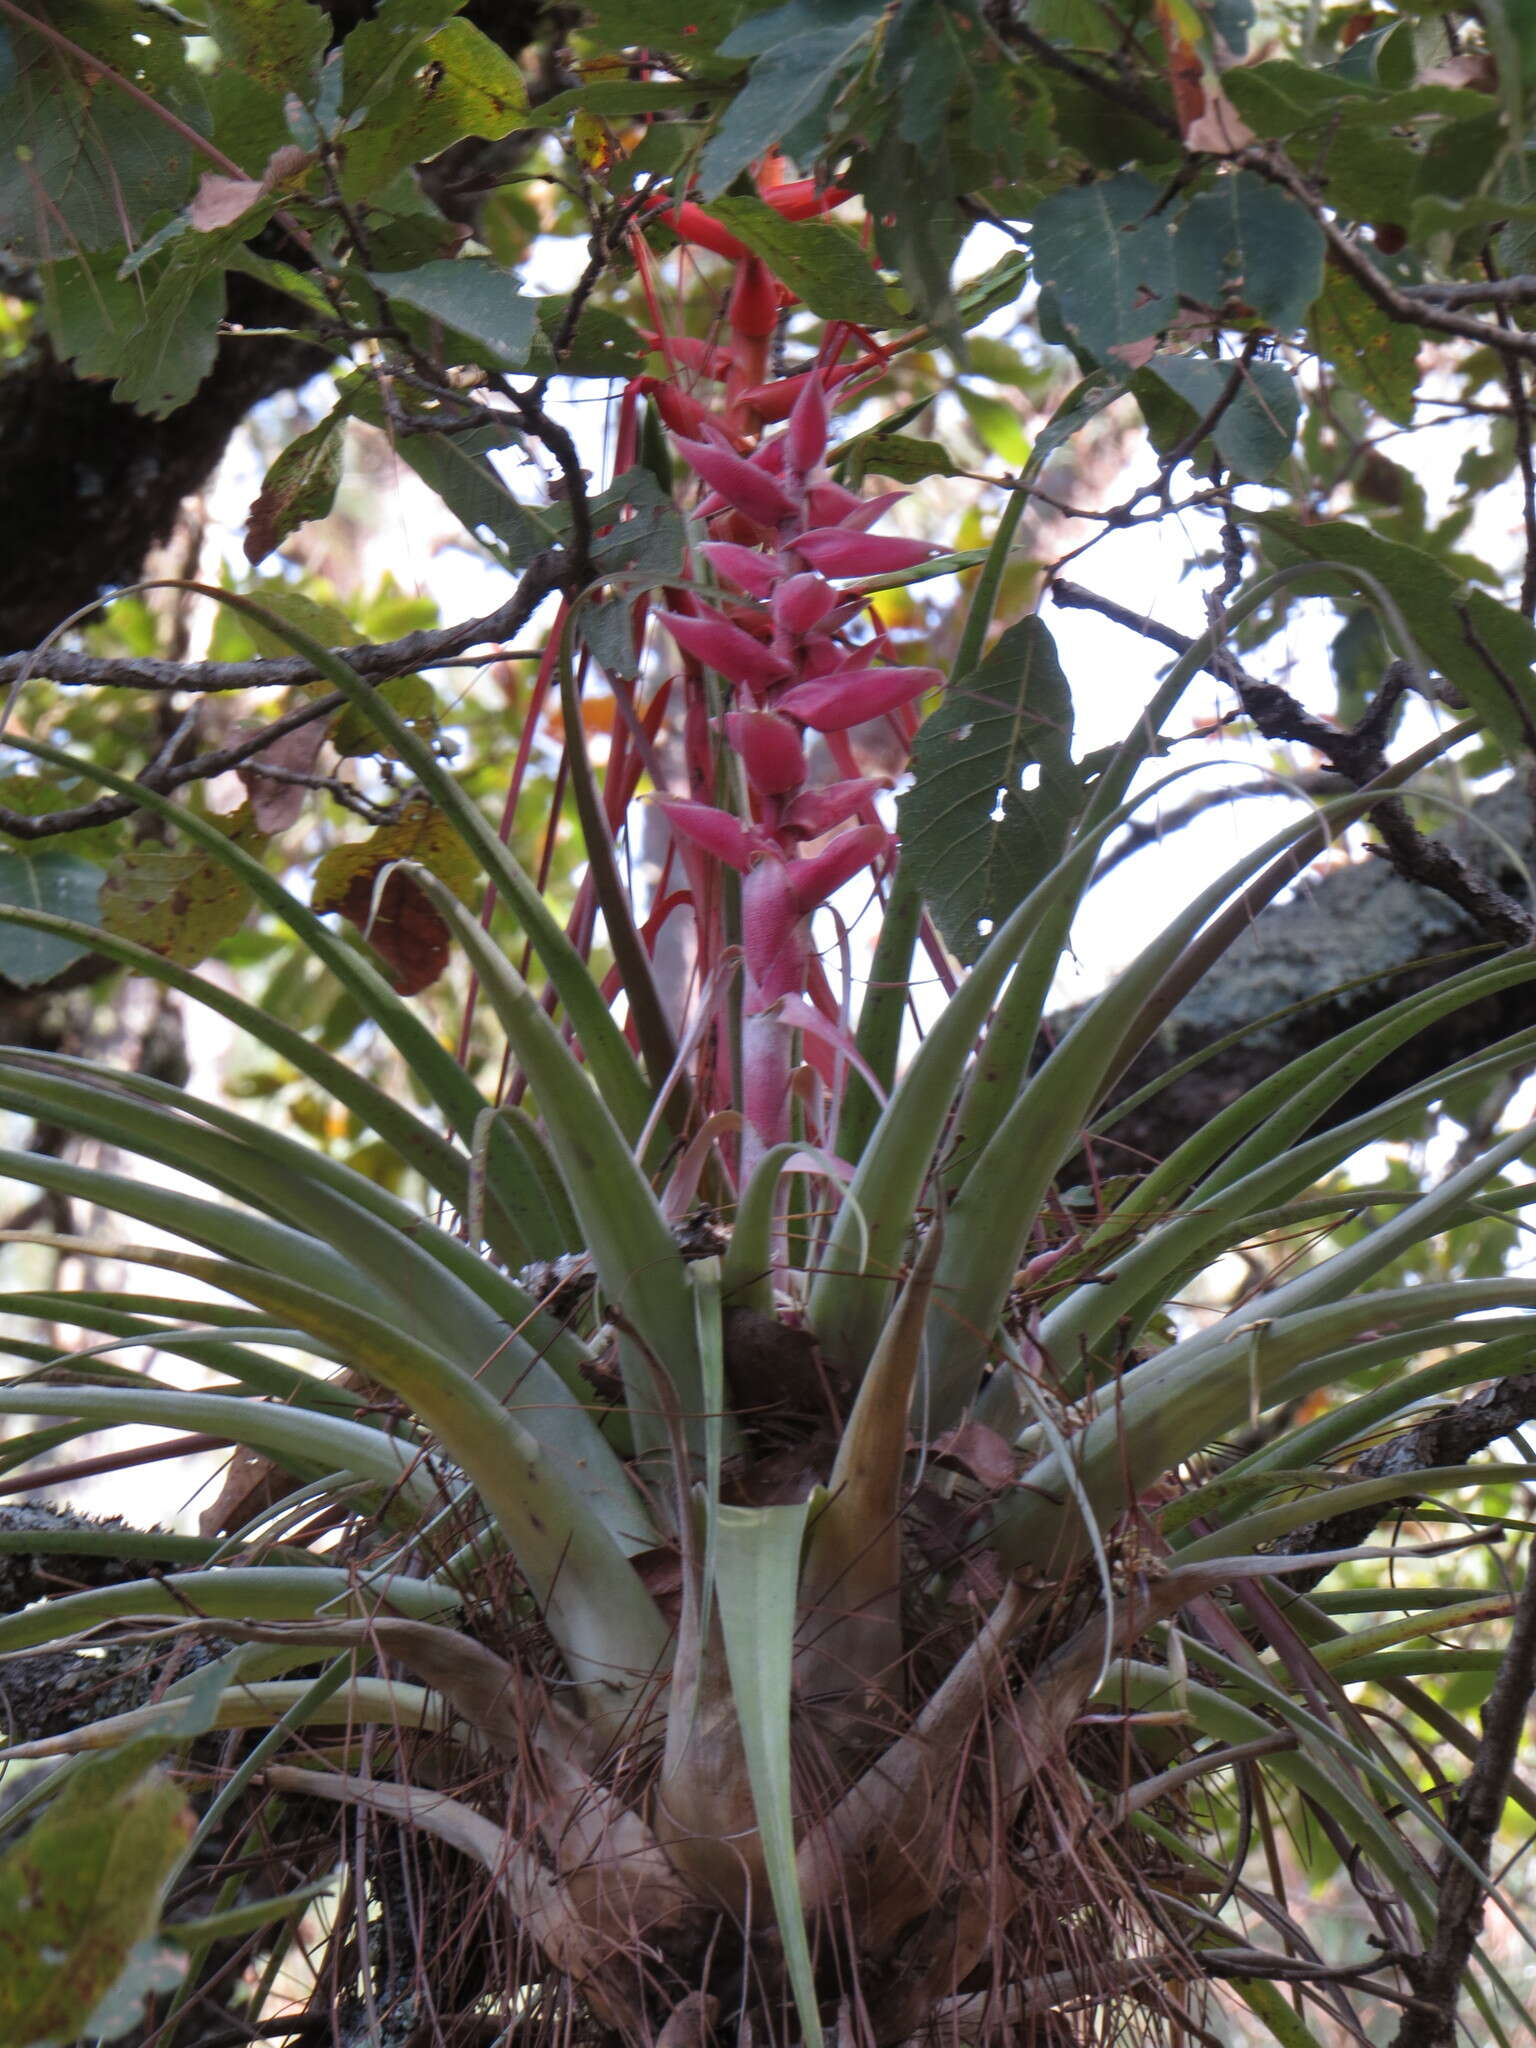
[(776, 946), (840, 551), (741, 483), (806, 435), (815, 812), (813, 881), (836, 702), (770, 750), (801, 603), (712, 639), (718, 832), (749, 570)]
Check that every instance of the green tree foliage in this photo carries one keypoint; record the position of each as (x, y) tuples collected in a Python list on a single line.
[(764, 1521)]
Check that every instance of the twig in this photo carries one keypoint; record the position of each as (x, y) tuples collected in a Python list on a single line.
[(1520, 414), (1129, 98), (376, 663), (1437, 1974), (1355, 754), (1454, 1436), (1397, 303), (1493, 291)]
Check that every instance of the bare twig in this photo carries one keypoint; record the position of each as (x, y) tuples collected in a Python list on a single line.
[(1355, 753), (376, 663), (1437, 1974), (1399, 305)]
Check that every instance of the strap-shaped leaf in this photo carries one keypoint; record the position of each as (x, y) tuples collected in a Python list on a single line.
[(758, 1568)]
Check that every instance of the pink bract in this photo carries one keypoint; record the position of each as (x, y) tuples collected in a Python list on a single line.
[(854, 696)]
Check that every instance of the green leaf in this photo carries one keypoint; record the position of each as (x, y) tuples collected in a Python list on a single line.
[(1250, 248), (902, 457), (60, 884), (1449, 620), (455, 84), (478, 300), (458, 469), (791, 80), (1371, 176), (1367, 352), (1108, 256), (275, 45), (83, 166), (997, 426), (1082, 405), (994, 788), (178, 901), (1255, 433), (1279, 97), (682, 26), (817, 259), (411, 698), (154, 332), (618, 98), (757, 1575), (602, 346), (81, 1890), (300, 485)]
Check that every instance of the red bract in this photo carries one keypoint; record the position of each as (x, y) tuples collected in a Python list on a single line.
[(815, 812), (801, 199), (770, 750), (742, 484), (704, 358), (725, 648), (772, 936), (801, 603), (683, 413), (839, 551), (719, 832), (691, 223), (829, 504), (755, 300), (854, 696), (806, 437), (748, 568), (814, 880)]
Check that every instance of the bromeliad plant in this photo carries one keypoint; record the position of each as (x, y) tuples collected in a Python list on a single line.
[(846, 1625)]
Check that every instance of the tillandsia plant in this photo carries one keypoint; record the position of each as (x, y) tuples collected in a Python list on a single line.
[(739, 1530)]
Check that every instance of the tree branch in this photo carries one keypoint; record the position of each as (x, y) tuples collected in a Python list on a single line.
[(1454, 1436), (375, 663), (1353, 752), (1437, 1975)]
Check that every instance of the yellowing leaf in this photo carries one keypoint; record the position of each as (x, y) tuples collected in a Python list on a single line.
[(366, 885), (178, 901), (81, 1891)]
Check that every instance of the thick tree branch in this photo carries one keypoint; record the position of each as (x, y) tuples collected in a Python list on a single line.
[(91, 486)]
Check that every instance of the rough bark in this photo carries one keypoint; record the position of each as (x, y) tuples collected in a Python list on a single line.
[(91, 486), (1318, 948)]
